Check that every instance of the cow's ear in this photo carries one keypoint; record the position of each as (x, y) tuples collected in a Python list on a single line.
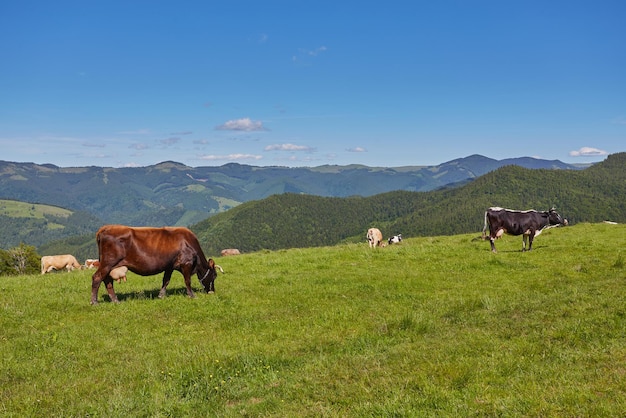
[(211, 263)]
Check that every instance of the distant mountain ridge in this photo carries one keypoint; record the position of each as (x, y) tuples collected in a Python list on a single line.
[(170, 193)]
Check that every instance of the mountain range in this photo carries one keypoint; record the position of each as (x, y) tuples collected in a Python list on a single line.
[(170, 193)]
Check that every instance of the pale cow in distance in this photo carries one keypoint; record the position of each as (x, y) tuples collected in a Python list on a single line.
[(58, 262), (230, 251), (92, 263), (374, 237)]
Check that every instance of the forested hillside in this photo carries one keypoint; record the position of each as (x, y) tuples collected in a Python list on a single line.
[(170, 193), (37, 224), (291, 220)]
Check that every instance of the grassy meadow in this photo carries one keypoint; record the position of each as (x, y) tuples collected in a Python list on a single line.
[(435, 326)]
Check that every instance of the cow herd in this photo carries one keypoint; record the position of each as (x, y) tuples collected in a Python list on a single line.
[(148, 251)]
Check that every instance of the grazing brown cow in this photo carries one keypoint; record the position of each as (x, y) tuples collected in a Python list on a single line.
[(147, 251), (58, 262), (230, 251)]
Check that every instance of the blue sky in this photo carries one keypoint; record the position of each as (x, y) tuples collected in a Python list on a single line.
[(133, 83)]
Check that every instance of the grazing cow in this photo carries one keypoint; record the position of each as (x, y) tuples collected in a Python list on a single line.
[(91, 263), (230, 251), (58, 262), (528, 223), (374, 237), (147, 251), (396, 239)]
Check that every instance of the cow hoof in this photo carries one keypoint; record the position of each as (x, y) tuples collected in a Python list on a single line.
[(93, 302)]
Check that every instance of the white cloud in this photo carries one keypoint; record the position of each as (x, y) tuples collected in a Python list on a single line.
[(138, 146), (244, 124), (288, 147), (314, 52), (230, 157), (169, 141), (356, 149), (136, 132), (587, 152), (94, 144)]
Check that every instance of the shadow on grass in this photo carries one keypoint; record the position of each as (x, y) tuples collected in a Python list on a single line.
[(150, 294)]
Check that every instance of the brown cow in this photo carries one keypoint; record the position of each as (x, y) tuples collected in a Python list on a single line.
[(147, 251), (58, 262)]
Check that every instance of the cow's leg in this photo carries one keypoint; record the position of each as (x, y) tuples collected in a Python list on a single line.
[(96, 279), (187, 274), (108, 282), (166, 280), (493, 245), (530, 240)]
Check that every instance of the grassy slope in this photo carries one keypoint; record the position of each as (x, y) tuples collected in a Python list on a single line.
[(17, 209), (437, 326)]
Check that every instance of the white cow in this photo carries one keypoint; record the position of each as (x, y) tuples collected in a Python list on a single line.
[(58, 262), (374, 237), (396, 239)]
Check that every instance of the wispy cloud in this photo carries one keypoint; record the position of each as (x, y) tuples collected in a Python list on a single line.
[(314, 52), (136, 132), (356, 149), (230, 157), (182, 133), (288, 147), (94, 144), (244, 124), (304, 55), (169, 141), (620, 120), (138, 146), (588, 152)]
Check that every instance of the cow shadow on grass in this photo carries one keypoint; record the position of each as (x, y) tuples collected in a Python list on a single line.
[(150, 294), (513, 251)]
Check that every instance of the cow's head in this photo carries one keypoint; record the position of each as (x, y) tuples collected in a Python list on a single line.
[(208, 280), (555, 219)]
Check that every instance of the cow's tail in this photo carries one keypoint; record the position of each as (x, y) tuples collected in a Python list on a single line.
[(485, 227)]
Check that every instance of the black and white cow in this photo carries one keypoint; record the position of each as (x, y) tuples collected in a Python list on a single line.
[(396, 239), (528, 223)]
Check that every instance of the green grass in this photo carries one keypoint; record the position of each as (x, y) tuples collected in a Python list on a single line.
[(15, 209), (435, 326)]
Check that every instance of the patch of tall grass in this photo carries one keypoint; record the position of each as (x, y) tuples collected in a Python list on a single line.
[(434, 326)]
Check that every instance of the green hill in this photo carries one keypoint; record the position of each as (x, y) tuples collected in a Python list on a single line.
[(291, 220), (37, 224)]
